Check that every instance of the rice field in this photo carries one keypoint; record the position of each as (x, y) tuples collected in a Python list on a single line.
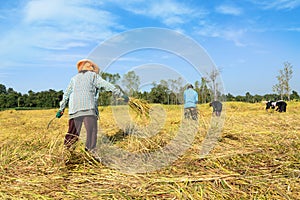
[(256, 155)]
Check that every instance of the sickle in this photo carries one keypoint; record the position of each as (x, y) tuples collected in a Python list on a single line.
[(50, 122)]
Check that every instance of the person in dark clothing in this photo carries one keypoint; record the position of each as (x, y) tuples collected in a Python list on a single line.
[(279, 105), (217, 108)]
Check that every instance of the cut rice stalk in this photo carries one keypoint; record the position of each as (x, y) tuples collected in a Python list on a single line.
[(140, 106)]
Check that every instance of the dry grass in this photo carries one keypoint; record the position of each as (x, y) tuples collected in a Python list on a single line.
[(140, 106), (256, 157)]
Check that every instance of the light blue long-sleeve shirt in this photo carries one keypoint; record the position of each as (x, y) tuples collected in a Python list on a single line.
[(190, 98), (81, 92)]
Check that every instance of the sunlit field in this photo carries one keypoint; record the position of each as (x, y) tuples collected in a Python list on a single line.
[(256, 157)]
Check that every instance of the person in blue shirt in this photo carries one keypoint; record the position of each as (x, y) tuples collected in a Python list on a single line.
[(81, 96), (190, 103)]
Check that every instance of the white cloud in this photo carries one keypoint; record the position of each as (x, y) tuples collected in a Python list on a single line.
[(294, 29), (235, 36), (43, 10), (173, 20), (230, 34), (171, 13), (50, 28), (229, 10), (56, 24), (277, 4)]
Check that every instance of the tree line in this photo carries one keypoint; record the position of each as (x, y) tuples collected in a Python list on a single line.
[(9, 98), (159, 93), (165, 92)]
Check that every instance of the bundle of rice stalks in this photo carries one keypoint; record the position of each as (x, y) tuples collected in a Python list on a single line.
[(140, 106)]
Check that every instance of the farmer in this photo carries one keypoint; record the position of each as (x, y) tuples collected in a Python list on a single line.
[(81, 95), (281, 105), (217, 108), (190, 103)]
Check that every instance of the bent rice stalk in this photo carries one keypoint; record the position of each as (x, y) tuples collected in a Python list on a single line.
[(140, 106)]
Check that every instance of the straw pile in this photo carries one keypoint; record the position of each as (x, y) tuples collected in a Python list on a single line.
[(140, 106), (257, 157)]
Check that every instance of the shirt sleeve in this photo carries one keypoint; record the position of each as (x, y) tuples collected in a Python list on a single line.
[(66, 96), (101, 83)]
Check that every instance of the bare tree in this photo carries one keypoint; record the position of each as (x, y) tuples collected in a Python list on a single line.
[(214, 85), (283, 86), (204, 91), (175, 86)]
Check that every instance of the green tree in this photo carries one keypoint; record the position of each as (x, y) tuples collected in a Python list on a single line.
[(11, 98), (240, 98), (2, 101), (204, 91), (3, 97), (30, 101), (3, 89), (257, 98), (230, 97), (21, 101), (105, 97), (249, 97), (295, 95), (112, 78), (159, 94), (274, 97)]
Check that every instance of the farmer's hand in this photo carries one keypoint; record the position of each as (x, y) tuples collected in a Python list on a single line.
[(125, 98), (59, 113)]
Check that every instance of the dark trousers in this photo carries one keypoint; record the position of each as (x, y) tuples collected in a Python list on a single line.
[(217, 113), (191, 113), (90, 123)]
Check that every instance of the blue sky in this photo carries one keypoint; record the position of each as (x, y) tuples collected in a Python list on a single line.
[(248, 40)]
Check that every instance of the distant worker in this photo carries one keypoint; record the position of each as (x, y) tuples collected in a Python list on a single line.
[(279, 105), (217, 108), (190, 103), (81, 95)]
